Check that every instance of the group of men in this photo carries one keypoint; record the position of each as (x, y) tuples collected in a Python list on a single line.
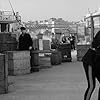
[(70, 39), (25, 40), (63, 39)]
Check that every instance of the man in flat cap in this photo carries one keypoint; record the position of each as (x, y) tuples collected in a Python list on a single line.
[(25, 40)]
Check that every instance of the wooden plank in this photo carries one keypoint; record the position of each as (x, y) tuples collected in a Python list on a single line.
[(43, 51), (6, 67), (3, 87), (2, 66), (4, 74)]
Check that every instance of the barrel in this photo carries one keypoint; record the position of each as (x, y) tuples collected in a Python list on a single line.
[(56, 58), (8, 42), (65, 49), (34, 61)]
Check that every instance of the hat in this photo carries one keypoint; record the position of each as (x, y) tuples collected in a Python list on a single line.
[(23, 28)]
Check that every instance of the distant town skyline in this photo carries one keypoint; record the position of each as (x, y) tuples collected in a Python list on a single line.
[(70, 10)]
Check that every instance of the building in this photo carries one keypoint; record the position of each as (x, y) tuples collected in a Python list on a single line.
[(52, 25), (8, 21), (96, 20)]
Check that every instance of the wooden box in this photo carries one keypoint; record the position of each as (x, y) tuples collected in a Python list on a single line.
[(8, 42), (18, 62), (81, 50), (46, 45), (3, 74)]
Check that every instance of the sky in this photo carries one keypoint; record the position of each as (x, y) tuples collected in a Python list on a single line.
[(69, 10)]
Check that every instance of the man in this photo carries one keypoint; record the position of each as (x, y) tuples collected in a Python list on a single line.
[(25, 43), (25, 40), (72, 41)]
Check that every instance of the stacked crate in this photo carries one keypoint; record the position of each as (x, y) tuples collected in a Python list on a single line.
[(81, 50), (3, 74), (46, 44), (18, 62), (8, 42)]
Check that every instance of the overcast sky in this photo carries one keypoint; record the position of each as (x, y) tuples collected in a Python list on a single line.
[(72, 10)]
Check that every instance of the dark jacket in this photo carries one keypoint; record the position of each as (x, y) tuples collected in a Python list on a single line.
[(96, 41), (91, 56), (96, 45), (25, 41)]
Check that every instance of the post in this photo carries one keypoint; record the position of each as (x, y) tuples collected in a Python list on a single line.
[(0, 27), (92, 28)]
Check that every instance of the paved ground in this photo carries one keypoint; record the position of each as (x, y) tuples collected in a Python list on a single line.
[(63, 82)]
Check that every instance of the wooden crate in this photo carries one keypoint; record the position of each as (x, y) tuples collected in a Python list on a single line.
[(81, 50), (46, 44), (8, 42), (18, 62), (3, 74)]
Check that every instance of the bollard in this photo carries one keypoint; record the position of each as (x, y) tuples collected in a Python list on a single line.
[(56, 58), (34, 61)]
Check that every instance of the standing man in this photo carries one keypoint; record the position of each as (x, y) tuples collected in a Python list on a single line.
[(25, 40), (72, 41)]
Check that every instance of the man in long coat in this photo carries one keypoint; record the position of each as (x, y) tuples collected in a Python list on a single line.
[(25, 40)]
